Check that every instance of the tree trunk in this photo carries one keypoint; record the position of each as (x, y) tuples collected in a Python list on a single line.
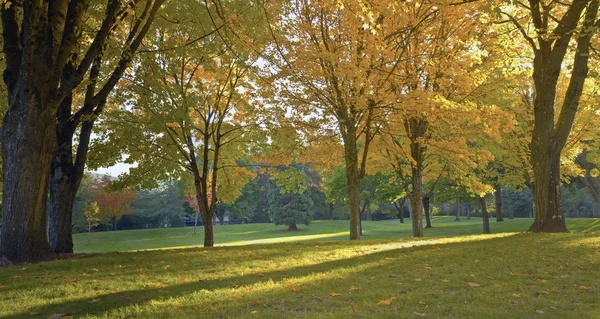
[(28, 146), (353, 182), (417, 202), (209, 236), (400, 209), (485, 216), (498, 196), (468, 211), (292, 227), (457, 209), (548, 213), (196, 222), (426, 200)]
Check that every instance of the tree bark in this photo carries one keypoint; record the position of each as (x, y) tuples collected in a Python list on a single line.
[(417, 202), (400, 209), (426, 201), (292, 227), (468, 211), (485, 216), (353, 182), (498, 197), (457, 209)]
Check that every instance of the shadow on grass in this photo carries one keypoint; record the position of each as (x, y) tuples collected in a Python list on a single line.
[(101, 304)]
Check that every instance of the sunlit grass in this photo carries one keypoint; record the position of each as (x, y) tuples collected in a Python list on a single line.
[(248, 234), (517, 275)]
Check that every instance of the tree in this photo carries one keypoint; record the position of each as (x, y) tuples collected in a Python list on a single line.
[(46, 60), (556, 26), (193, 113), (91, 217), (327, 59), (113, 204), (289, 202), (438, 112)]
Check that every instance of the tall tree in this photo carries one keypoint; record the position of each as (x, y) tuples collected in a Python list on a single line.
[(328, 55), (555, 26), (41, 43), (77, 115)]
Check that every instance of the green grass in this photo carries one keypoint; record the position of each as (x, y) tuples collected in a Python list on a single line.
[(517, 274), (235, 235)]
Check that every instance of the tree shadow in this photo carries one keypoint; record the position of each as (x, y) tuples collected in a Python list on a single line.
[(103, 303)]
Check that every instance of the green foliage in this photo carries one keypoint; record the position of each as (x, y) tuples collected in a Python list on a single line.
[(289, 208)]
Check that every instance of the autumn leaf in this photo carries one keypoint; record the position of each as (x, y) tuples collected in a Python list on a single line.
[(418, 314), (356, 308), (354, 288), (255, 303), (335, 294), (253, 312), (385, 302), (584, 287), (445, 280), (294, 288), (472, 284)]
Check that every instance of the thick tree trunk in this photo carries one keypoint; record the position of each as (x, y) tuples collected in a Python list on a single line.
[(469, 211), (292, 227), (209, 236), (485, 216), (426, 200), (548, 213), (28, 146), (498, 196)]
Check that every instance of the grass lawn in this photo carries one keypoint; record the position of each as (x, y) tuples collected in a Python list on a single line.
[(504, 275), (236, 235)]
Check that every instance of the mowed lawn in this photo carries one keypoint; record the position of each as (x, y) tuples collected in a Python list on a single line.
[(503, 275), (235, 235)]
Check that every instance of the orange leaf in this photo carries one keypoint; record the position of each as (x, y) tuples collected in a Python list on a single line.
[(335, 294), (472, 284), (356, 308), (294, 288)]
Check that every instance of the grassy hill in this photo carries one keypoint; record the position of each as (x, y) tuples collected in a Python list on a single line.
[(231, 235)]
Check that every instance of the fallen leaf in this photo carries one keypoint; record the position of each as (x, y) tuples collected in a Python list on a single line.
[(253, 312), (385, 302), (94, 300), (335, 294), (445, 280), (421, 302), (255, 303), (294, 288), (516, 295), (354, 288), (340, 277), (356, 308), (584, 287), (418, 314), (539, 312), (472, 284)]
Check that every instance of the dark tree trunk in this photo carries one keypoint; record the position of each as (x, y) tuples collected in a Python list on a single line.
[(468, 211), (426, 201), (417, 203), (498, 196), (485, 216), (457, 209), (353, 182), (399, 204), (292, 227), (28, 146)]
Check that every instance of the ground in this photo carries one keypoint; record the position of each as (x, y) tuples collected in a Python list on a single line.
[(503, 275)]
